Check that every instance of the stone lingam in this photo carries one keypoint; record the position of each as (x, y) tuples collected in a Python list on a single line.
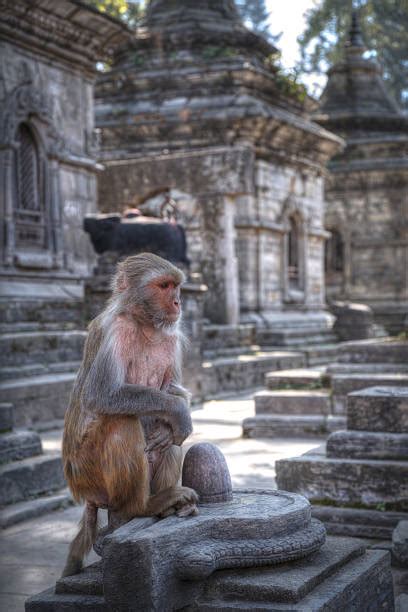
[(247, 549)]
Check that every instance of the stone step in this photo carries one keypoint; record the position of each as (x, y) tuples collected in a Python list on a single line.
[(368, 445), (88, 582), (364, 583), (292, 401), (271, 584), (34, 326), (33, 508), (378, 409), (367, 368), (363, 483), (6, 417), (48, 601), (17, 445), (305, 378), (221, 337), (294, 337), (37, 369), (42, 311), (293, 426), (343, 384), (374, 351), (320, 354), (41, 347), (245, 371), (21, 480), (38, 398), (359, 523)]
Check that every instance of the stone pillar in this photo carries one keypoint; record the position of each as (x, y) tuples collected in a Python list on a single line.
[(220, 267)]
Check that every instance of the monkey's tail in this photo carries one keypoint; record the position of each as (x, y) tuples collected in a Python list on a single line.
[(83, 541)]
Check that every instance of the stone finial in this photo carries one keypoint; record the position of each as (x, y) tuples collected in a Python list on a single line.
[(205, 470), (355, 38)]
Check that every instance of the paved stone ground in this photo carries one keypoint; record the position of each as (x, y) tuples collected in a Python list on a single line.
[(33, 553)]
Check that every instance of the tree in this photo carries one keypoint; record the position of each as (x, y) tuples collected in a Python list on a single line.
[(129, 11), (256, 17), (384, 25)]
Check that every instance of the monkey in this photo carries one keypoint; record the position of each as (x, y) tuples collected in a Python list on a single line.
[(128, 413)]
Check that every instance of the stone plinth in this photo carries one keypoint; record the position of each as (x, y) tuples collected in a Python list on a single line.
[(366, 466), (272, 555)]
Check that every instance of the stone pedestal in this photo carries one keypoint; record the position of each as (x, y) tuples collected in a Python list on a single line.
[(364, 467), (272, 555)]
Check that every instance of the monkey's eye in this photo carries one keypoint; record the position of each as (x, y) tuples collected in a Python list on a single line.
[(164, 285)]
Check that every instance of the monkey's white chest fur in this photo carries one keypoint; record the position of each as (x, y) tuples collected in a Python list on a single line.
[(147, 361)]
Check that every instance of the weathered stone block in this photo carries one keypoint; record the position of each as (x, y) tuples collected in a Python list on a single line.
[(292, 401), (368, 445), (379, 409), (346, 482)]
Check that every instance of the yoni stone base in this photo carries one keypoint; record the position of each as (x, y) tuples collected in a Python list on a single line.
[(272, 554)]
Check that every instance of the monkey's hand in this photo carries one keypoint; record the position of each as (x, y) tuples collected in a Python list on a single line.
[(160, 438), (179, 391)]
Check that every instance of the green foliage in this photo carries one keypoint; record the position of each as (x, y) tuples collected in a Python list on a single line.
[(384, 24), (128, 11), (256, 17)]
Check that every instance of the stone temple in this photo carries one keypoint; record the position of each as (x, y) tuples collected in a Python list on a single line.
[(194, 104), (367, 190)]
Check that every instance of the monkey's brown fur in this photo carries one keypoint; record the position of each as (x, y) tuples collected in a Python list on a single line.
[(127, 408)]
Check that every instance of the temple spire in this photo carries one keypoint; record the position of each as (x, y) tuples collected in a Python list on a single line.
[(355, 38)]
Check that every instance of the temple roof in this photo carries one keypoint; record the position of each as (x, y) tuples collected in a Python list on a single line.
[(163, 13), (68, 30), (355, 89)]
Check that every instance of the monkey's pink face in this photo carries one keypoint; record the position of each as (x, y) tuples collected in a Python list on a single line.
[(165, 295)]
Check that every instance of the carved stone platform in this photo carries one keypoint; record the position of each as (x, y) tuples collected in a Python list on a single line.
[(272, 553)]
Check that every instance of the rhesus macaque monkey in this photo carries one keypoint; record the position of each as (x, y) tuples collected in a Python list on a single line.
[(128, 414)]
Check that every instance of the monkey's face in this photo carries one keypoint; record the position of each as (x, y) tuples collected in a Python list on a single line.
[(164, 300)]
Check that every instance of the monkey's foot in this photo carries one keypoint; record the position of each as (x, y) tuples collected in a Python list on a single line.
[(181, 501)]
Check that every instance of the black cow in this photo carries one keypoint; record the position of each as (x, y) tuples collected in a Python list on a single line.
[(137, 235)]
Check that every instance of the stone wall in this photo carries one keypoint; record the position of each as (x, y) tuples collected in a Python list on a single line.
[(47, 153)]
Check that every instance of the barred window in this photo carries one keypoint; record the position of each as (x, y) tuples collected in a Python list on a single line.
[(293, 252), (29, 207)]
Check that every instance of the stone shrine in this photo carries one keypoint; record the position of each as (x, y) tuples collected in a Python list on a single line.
[(367, 189), (195, 104)]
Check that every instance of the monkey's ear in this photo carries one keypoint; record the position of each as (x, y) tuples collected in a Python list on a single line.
[(121, 282)]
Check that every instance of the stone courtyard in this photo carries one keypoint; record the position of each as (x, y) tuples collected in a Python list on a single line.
[(287, 215)]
